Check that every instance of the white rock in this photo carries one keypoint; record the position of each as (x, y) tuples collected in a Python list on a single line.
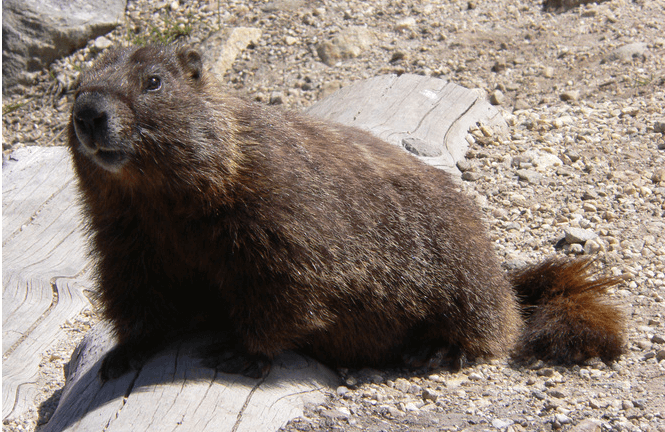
[(501, 424), (579, 235), (563, 419), (544, 160), (411, 407), (405, 24)]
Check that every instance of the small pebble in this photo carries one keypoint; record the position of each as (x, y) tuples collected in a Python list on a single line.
[(570, 95), (497, 97), (548, 72)]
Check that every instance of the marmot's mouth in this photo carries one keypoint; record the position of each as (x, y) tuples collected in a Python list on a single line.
[(109, 160)]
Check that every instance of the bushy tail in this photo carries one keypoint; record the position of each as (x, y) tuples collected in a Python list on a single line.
[(567, 315)]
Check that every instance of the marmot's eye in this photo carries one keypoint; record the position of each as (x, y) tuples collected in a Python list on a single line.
[(154, 83)]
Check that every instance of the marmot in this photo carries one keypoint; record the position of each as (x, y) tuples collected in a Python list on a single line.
[(296, 233)]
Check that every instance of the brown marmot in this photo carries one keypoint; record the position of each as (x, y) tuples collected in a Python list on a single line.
[(296, 233)]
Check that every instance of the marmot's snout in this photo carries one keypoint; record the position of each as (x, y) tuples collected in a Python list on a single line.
[(93, 118)]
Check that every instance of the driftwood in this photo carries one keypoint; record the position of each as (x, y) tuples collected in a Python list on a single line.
[(172, 391), (43, 266), (45, 272), (429, 117)]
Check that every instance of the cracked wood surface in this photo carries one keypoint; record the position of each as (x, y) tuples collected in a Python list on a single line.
[(172, 391), (43, 266), (45, 272), (433, 113)]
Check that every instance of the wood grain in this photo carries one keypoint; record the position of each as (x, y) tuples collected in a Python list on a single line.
[(436, 112), (43, 261)]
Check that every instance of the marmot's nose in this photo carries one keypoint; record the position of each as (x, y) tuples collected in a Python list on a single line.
[(90, 120)]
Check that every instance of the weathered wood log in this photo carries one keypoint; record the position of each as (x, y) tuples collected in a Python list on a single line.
[(173, 391), (45, 266), (43, 261), (429, 117)]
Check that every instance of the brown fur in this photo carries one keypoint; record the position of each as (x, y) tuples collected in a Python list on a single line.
[(567, 318), (290, 231)]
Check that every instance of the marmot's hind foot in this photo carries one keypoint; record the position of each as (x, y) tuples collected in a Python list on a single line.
[(429, 358), (123, 359), (225, 358)]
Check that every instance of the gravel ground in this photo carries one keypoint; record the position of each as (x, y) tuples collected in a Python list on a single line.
[(583, 92)]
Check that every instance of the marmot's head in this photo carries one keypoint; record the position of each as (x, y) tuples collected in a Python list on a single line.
[(150, 118), (133, 99)]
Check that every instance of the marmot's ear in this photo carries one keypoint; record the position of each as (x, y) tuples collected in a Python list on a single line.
[(191, 61)]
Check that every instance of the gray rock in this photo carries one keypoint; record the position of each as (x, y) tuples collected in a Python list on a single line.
[(521, 104), (529, 176), (628, 52), (659, 126), (658, 175), (587, 425), (578, 235), (411, 407), (539, 395), (414, 389), (470, 176), (100, 44), (566, 4), (390, 411), (513, 264), (522, 161), (557, 393), (592, 247), (222, 48), (660, 355), (475, 376), (649, 355), (464, 165), (282, 5), (429, 395), (407, 23), (565, 171), (335, 414), (341, 390), (570, 95), (349, 43), (499, 66), (589, 195), (421, 147), (657, 339), (276, 98), (497, 97), (37, 32), (563, 419), (572, 155), (402, 385)]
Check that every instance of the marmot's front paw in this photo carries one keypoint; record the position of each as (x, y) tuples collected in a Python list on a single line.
[(120, 360)]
